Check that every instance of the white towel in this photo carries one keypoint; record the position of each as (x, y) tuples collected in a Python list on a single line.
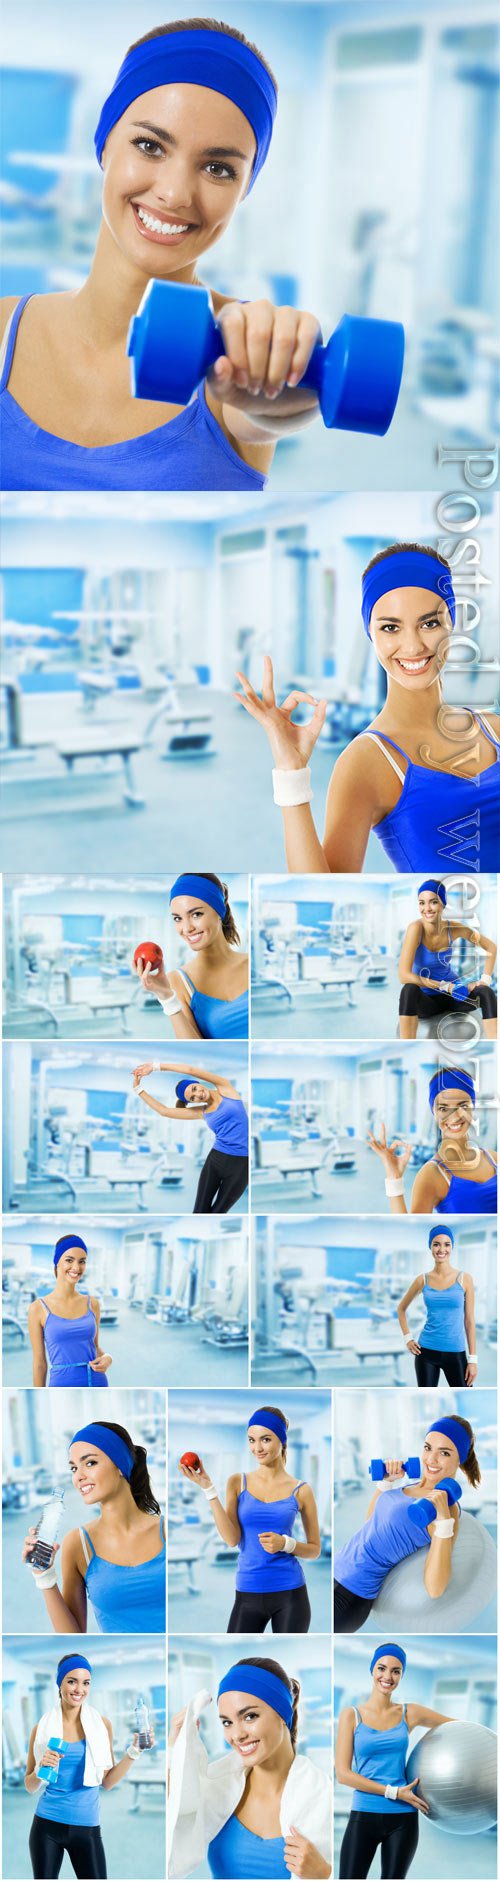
[(203, 1796), (98, 1756)]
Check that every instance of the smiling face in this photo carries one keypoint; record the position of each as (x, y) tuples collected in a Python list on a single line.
[(454, 1112), (197, 923), (265, 1446), (75, 1687), (430, 907), (71, 1266), (439, 1457), (197, 1094), (387, 1673), (175, 167), (92, 1472), (410, 629), (251, 1727), (441, 1249)]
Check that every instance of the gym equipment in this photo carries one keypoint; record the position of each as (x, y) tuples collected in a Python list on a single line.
[(423, 1511), (174, 339), (191, 1460), (471, 1586), (456, 1766), (377, 1468), (150, 953)]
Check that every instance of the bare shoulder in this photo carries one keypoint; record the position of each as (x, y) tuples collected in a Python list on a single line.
[(361, 764), (7, 304)]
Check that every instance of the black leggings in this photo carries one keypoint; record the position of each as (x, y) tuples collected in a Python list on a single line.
[(288, 1610), (429, 1364), (415, 1004), (369, 1830), (85, 1847), (222, 1181), (349, 1610)]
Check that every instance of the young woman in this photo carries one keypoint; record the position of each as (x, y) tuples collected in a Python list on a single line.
[(448, 1298), (217, 1103), (67, 1812), (180, 140), (269, 1809), (371, 1755), (63, 1337), (425, 776), (429, 981), (119, 1562), (388, 1534), (461, 1177), (212, 1002), (258, 1519)]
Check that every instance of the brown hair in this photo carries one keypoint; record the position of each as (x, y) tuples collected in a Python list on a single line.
[(229, 928), (293, 1685), (208, 26), (470, 1467), (404, 548)]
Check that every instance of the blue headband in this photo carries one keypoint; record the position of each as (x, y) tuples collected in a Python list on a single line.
[(182, 1087), (196, 56), (263, 1685), (108, 1441), (69, 1664), (437, 888), (270, 1422), (68, 1241), (450, 1428), (203, 890), (443, 1230), (399, 1654), (407, 568), (451, 1081)]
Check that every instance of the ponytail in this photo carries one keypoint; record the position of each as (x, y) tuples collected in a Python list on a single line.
[(139, 1480), (470, 1466), (229, 928)]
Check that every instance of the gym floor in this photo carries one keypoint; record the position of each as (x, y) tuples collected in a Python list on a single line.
[(345, 1368), (143, 1351), (316, 1015), (77, 1022), (169, 1199), (209, 1608), (343, 1192), (134, 1840)]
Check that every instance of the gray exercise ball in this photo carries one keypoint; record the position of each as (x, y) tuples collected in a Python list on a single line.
[(456, 1765), (403, 1600)]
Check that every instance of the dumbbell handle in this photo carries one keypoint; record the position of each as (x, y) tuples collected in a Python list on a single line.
[(378, 1471), (422, 1511)]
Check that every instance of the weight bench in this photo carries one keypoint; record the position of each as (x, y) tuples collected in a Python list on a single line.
[(94, 743)]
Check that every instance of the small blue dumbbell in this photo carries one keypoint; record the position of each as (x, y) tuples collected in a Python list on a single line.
[(174, 339), (378, 1471), (423, 1511)]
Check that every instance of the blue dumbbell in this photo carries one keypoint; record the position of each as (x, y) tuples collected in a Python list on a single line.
[(377, 1468), (174, 339), (423, 1511)]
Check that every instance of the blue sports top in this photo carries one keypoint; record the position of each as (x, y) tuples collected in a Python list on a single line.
[(444, 1329), (381, 1756), (441, 817), (230, 1126), (465, 1196), (70, 1345), (237, 1852), (257, 1571), (437, 965), (384, 1539), (127, 1600), (190, 452), (69, 1800), (219, 1019)]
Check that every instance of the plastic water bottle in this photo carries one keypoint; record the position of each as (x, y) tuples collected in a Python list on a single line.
[(142, 1723), (47, 1531), (50, 1772)]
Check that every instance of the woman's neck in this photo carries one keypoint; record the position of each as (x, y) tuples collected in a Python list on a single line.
[(443, 1268), (270, 1473), (112, 293), (381, 1702), (270, 1777), (458, 1149), (401, 708), (119, 1511), (216, 953), (64, 1291)]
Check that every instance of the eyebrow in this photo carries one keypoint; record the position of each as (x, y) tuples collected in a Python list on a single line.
[(250, 1707), (213, 150), (394, 620)]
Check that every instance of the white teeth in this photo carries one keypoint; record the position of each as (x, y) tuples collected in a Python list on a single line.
[(161, 228), (414, 666)]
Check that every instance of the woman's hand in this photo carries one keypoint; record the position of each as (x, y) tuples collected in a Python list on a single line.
[(28, 1546), (393, 1164), (272, 1543), (200, 1477), (412, 1346), (177, 1724), (142, 1071), (405, 1796), (394, 1467), (154, 979), (52, 1757), (267, 351), (102, 1364), (291, 745), (440, 1500), (141, 1748), (302, 1858), (470, 1372)]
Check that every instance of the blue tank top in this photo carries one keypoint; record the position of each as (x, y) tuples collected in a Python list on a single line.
[(70, 1345), (444, 1329), (256, 1571), (382, 1757), (237, 1852), (191, 452), (127, 1600), (219, 1019), (386, 1538), (230, 1126), (70, 1800), (443, 818), (464, 1196), (437, 966)]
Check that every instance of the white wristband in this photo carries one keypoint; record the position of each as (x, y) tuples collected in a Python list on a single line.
[(472, 1359), (394, 1186), (444, 1528), (133, 1751), (172, 1005), (156, 1064), (391, 1790), (486, 980), (45, 1577), (292, 787), (407, 1337), (289, 1545), (210, 1493)]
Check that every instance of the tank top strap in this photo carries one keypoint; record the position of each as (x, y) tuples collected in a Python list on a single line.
[(487, 729), (490, 1159), (9, 341), (381, 742), (299, 1486), (243, 1482), (357, 1716), (43, 1303), (181, 971), (404, 1713), (163, 1536), (460, 1279), (87, 1545), (442, 1166)]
